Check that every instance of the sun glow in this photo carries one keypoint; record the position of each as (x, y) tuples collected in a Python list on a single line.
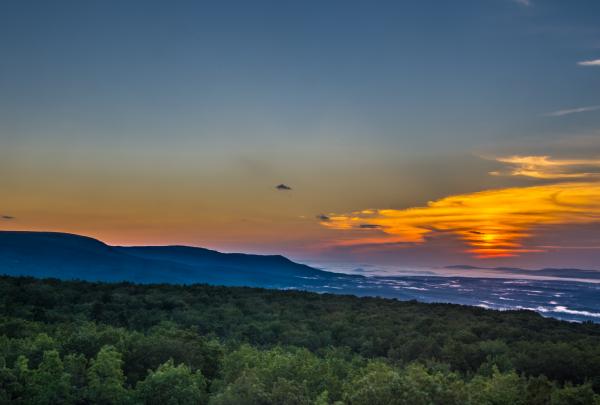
[(493, 223)]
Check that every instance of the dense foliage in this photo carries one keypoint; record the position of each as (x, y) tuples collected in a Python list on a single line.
[(78, 342)]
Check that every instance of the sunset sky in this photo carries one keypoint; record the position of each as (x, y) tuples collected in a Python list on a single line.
[(414, 133)]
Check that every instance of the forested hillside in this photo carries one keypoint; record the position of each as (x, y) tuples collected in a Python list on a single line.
[(80, 342)]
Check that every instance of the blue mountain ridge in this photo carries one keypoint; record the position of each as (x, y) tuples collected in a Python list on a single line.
[(69, 256)]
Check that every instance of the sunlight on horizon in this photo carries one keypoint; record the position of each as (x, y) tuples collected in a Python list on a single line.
[(492, 223)]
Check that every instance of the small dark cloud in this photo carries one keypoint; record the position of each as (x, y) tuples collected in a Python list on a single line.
[(7, 217), (369, 226), (323, 218), (283, 187)]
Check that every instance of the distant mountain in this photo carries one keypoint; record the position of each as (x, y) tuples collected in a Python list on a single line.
[(68, 256), (547, 272), (462, 267)]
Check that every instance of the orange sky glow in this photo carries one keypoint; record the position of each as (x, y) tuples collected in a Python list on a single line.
[(492, 223)]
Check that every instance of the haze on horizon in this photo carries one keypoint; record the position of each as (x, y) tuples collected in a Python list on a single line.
[(416, 134)]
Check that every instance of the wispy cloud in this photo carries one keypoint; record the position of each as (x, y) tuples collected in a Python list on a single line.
[(492, 223), (545, 167), (525, 3), (560, 113), (283, 187), (594, 62), (6, 217)]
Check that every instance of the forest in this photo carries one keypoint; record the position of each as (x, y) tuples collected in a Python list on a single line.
[(75, 342)]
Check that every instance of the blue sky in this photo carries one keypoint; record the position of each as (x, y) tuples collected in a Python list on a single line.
[(415, 73), (162, 122)]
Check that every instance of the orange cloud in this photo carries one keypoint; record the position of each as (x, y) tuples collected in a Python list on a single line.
[(544, 167), (493, 223)]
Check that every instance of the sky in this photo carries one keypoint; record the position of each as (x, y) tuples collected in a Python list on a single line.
[(414, 133)]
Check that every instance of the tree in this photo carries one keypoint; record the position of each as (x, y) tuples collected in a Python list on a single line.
[(579, 395), (247, 390), (422, 386), (172, 385), (286, 392), (49, 382), (106, 379), (24, 378), (379, 385), (76, 366), (499, 389), (413, 385), (539, 391), (10, 388)]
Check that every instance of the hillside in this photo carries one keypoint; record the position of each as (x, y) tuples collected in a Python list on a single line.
[(68, 256), (73, 257)]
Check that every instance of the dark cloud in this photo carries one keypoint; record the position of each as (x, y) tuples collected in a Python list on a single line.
[(7, 217), (323, 218), (283, 187), (369, 226)]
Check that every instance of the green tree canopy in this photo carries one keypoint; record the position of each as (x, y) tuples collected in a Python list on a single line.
[(172, 385), (106, 379)]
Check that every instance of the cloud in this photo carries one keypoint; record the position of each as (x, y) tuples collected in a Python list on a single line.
[(6, 217), (323, 218), (525, 3), (595, 62), (545, 167), (493, 223), (283, 187), (369, 226), (560, 113)]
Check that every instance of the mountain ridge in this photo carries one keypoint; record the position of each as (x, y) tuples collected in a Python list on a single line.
[(71, 256)]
